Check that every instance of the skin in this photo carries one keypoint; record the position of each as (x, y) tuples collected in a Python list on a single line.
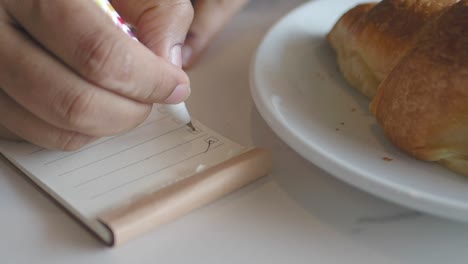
[(68, 76), (211, 16)]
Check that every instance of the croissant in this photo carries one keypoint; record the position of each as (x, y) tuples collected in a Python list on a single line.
[(411, 58)]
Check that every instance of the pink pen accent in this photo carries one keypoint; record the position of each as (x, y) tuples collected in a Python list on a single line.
[(118, 21)]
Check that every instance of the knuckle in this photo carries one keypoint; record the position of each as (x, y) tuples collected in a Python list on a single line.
[(144, 114), (69, 141), (94, 56), (161, 89), (137, 118), (75, 110)]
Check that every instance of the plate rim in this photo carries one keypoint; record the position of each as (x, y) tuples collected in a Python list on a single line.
[(390, 191)]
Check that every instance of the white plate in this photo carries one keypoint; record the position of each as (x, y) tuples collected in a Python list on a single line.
[(300, 93)]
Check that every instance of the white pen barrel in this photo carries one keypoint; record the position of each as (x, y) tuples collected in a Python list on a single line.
[(179, 112)]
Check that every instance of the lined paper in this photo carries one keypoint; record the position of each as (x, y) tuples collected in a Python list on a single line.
[(115, 170)]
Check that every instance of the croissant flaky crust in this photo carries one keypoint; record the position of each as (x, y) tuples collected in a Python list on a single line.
[(411, 58)]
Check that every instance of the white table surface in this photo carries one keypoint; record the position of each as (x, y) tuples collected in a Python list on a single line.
[(298, 214)]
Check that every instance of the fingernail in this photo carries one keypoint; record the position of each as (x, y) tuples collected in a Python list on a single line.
[(180, 93), (186, 54), (176, 55)]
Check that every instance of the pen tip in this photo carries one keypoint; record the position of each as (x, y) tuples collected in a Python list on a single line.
[(189, 124)]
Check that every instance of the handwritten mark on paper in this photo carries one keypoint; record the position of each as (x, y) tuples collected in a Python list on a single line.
[(196, 131), (210, 141)]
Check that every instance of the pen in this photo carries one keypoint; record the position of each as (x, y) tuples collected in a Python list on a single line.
[(178, 111)]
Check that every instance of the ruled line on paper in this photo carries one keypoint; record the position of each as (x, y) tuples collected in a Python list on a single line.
[(139, 161), (36, 151), (90, 145), (156, 173), (104, 141), (121, 151), (81, 150), (150, 173)]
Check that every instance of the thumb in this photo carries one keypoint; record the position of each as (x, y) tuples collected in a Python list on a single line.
[(210, 18)]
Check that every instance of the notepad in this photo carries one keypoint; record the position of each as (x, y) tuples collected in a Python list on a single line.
[(123, 186)]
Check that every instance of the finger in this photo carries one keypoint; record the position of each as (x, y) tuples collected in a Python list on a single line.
[(20, 123), (82, 36), (43, 86), (161, 25), (210, 17), (7, 134)]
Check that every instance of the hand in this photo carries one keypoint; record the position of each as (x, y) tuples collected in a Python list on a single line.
[(69, 76), (210, 18)]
